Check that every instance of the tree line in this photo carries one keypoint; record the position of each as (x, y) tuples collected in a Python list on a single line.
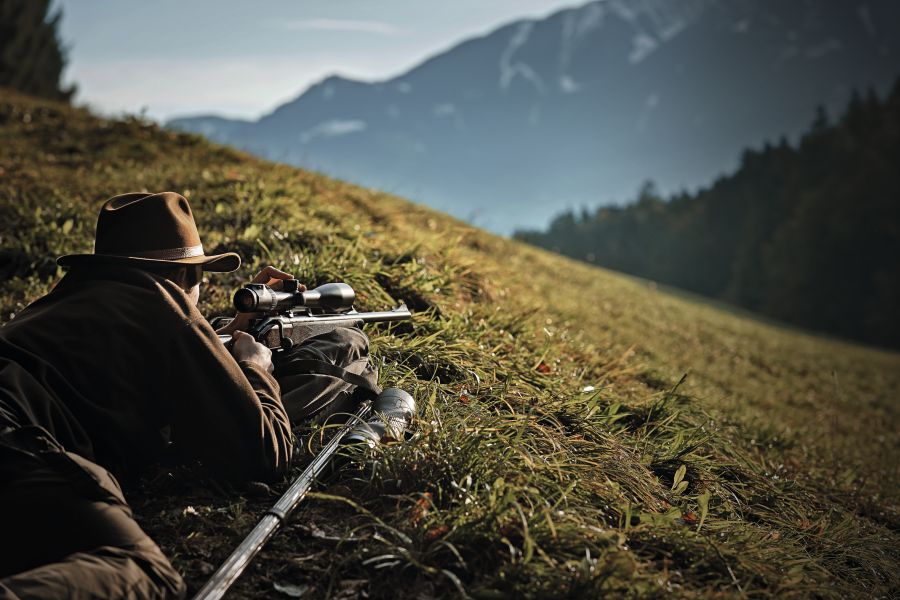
[(31, 56), (808, 233)]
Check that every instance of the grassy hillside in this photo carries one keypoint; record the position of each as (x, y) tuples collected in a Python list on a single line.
[(580, 432)]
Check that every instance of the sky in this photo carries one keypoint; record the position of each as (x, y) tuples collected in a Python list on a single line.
[(239, 58)]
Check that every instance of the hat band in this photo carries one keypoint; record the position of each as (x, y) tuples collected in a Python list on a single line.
[(171, 254)]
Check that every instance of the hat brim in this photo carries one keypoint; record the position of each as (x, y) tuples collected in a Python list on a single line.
[(217, 263)]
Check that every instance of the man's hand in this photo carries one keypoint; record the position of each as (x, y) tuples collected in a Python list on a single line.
[(269, 276), (244, 347)]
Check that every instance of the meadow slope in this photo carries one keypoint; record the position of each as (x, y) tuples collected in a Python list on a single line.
[(580, 432)]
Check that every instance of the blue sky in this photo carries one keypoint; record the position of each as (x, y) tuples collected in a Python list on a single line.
[(241, 58)]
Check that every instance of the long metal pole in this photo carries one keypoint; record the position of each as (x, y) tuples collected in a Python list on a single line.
[(235, 564)]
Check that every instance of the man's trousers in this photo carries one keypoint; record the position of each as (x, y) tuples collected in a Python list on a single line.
[(67, 531)]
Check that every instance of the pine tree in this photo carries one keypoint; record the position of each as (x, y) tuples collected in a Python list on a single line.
[(31, 58), (820, 122)]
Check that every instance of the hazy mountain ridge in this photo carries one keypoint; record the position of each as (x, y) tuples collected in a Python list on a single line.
[(580, 107)]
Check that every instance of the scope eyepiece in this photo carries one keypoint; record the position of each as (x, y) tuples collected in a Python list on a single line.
[(255, 297)]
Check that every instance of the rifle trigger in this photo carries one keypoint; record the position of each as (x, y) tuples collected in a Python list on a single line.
[(286, 342)]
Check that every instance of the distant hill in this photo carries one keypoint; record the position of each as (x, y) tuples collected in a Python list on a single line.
[(508, 129), (806, 233)]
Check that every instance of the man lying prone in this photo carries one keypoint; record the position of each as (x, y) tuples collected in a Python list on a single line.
[(114, 368)]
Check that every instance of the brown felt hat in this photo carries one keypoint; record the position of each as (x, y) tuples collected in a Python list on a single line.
[(148, 230)]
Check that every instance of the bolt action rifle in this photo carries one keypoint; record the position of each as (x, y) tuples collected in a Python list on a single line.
[(289, 316)]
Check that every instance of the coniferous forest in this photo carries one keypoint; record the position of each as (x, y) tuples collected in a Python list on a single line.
[(807, 233), (31, 56)]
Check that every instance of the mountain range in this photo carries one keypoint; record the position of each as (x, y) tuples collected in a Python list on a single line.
[(581, 107)]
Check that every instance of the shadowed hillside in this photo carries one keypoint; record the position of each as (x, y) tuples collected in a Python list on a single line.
[(580, 432)]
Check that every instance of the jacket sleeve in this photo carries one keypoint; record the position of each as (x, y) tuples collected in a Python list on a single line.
[(224, 413)]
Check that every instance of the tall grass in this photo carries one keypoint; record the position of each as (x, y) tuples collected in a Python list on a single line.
[(580, 433)]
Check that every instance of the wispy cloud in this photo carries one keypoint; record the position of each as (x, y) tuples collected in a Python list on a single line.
[(345, 25)]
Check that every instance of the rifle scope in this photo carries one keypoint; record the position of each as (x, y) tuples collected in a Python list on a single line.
[(257, 297)]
